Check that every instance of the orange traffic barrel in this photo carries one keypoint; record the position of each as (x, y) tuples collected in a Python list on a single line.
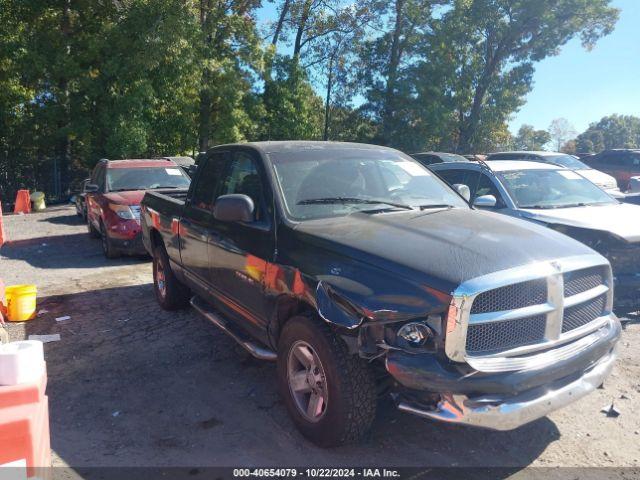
[(24, 417), (23, 202)]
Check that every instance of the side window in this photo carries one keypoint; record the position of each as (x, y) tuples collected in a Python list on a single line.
[(487, 187), (453, 176), (208, 181), (99, 180), (243, 177)]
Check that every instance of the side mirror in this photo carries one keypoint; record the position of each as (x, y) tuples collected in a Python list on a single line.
[(485, 201), (463, 190), (91, 188), (233, 208)]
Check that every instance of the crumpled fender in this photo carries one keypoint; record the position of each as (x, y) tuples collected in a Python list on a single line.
[(349, 304)]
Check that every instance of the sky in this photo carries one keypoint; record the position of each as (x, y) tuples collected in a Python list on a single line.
[(579, 85), (584, 86)]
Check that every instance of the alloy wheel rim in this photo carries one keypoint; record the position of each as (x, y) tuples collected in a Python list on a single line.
[(307, 381), (160, 279)]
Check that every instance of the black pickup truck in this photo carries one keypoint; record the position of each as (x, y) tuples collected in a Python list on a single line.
[(363, 274)]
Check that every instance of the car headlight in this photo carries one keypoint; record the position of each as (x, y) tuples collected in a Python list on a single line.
[(122, 211), (416, 334)]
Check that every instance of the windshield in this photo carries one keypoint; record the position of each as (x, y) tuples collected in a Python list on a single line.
[(552, 189), (567, 161), (326, 182), (120, 179)]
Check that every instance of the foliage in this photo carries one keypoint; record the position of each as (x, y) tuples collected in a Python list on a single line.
[(615, 131), (528, 138), (81, 80)]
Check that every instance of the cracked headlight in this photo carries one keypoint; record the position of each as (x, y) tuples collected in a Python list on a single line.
[(416, 334)]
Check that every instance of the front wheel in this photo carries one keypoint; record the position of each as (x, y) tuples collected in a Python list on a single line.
[(107, 246), (329, 393), (170, 293)]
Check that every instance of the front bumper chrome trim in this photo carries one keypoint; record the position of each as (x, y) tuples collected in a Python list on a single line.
[(495, 364), (508, 413)]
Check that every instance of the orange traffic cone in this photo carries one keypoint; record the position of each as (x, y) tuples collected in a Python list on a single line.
[(2, 237), (23, 202)]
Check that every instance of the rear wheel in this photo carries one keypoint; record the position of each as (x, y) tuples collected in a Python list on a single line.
[(329, 393), (93, 233), (170, 292), (107, 246)]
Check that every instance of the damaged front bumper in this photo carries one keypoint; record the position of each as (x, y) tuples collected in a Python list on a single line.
[(508, 413), (503, 400)]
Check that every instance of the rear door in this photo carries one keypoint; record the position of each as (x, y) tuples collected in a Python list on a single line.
[(240, 251), (197, 220)]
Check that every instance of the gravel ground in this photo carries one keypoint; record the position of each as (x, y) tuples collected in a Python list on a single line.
[(133, 385)]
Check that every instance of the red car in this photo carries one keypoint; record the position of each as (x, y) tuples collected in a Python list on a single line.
[(621, 164), (113, 199)]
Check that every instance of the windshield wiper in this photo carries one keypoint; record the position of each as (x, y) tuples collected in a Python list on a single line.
[(366, 201)]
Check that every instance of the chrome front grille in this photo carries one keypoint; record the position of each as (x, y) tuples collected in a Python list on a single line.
[(583, 314), (489, 337), (135, 209), (580, 281), (518, 295), (528, 309)]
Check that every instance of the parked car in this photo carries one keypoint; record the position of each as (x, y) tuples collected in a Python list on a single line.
[(187, 164), (604, 181), (113, 200), (565, 201), (80, 201), (429, 158), (307, 253), (621, 164)]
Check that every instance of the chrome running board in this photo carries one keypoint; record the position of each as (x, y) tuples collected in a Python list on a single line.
[(207, 312)]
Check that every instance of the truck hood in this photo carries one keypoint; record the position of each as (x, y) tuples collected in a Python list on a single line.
[(447, 246), (618, 219), (131, 197), (601, 179)]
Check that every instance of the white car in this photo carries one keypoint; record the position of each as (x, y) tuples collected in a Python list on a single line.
[(601, 179), (563, 200)]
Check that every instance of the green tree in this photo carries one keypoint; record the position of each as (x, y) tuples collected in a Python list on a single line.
[(528, 138), (293, 111), (614, 131), (486, 50)]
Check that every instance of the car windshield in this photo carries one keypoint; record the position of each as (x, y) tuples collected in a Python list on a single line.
[(567, 161), (327, 182), (121, 179), (552, 189)]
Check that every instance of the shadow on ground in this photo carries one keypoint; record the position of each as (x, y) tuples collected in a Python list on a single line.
[(65, 251), (133, 385)]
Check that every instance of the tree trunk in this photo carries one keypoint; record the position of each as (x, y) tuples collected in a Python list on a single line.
[(302, 24), (392, 72), (64, 144), (279, 26), (327, 105)]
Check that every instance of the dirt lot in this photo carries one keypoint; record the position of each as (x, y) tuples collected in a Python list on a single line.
[(132, 385)]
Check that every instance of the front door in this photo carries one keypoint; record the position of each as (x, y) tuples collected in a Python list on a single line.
[(240, 250)]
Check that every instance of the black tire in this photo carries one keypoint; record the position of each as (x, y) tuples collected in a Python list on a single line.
[(107, 246), (93, 233), (172, 295), (351, 402)]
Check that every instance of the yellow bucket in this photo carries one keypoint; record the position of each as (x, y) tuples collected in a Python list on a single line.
[(21, 302), (38, 201)]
